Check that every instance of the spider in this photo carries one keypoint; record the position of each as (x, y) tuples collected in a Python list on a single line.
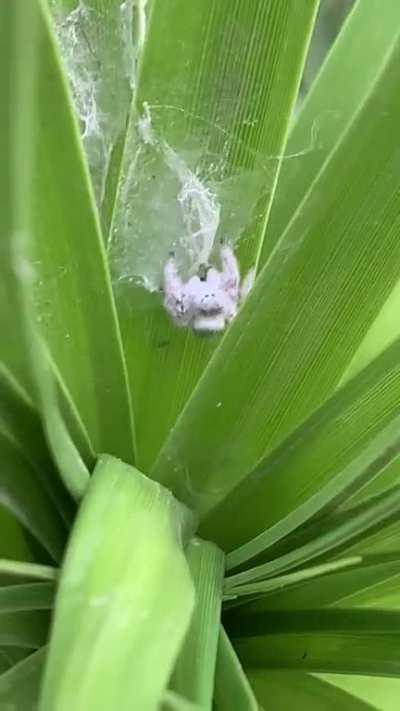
[(206, 303)]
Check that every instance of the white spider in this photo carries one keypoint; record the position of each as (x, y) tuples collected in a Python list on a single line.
[(209, 302)]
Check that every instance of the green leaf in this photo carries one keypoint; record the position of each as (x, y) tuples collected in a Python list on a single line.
[(19, 570), (16, 130), (378, 540), (23, 495), (284, 582), (379, 594), (93, 34), (337, 653), (343, 621), (9, 656), (23, 25), (370, 581), (13, 543), (194, 672), (72, 298), (338, 535), (24, 629), (335, 96), (34, 596), (340, 641), (324, 114), (381, 540), (11, 351), (338, 261), (377, 485), (382, 694), (382, 332), (232, 689), (207, 172), (72, 467), (21, 423), (125, 597), (277, 691), (173, 702), (339, 449), (19, 687)]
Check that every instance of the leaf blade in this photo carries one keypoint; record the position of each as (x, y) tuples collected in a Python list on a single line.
[(330, 106), (23, 495), (24, 597), (194, 672), (136, 555), (293, 362), (232, 689), (280, 688), (327, 460), (68, 295), (19, 686), (20, 422), (216, 142)]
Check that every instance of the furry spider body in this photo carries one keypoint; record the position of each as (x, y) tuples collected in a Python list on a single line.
[(207, 304)]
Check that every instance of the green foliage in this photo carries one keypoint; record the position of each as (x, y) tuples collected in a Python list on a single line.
[(206, 521), (124, 586)]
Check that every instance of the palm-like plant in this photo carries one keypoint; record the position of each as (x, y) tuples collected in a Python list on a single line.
[(184, 502)]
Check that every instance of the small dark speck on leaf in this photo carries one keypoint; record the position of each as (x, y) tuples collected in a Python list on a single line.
[(163, 344), (305, 654)]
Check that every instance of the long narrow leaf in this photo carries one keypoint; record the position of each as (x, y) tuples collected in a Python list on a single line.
[(337, 641), (68, 294), (18, 75), (24, 629), (12, 341), (195, 668), (285, 582), (13, 541), (232, 689), (21, 422), (382, 694), (324, 461), (106, 34), (379, 594), (174, 702), (372, 580), (339, 536), (33, 596), (338, 261), (25, 28), (201, 161), (72, 467), (10, 656), (19, 687), (22, 493), (383, 331), (125, 596), (342, 621), (17, 570), (334, 98), (278, 690)]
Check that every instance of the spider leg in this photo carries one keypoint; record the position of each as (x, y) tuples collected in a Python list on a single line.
[(230, 275), (247, 284), (177, 300), (173, 284), (229, 308)]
